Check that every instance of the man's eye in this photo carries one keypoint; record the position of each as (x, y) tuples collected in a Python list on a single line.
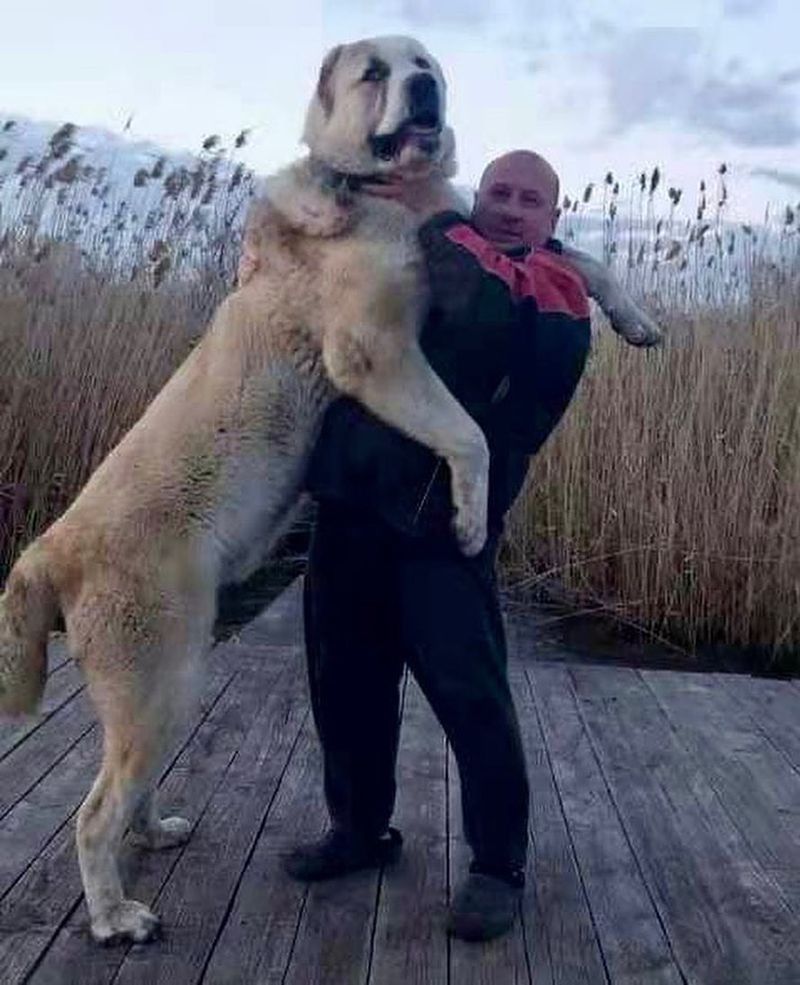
[(374, 73)]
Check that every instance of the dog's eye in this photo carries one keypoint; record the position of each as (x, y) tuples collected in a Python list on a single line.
[(375, 72), (422, 63)]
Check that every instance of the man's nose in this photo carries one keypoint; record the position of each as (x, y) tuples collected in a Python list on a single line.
[(510, 216)]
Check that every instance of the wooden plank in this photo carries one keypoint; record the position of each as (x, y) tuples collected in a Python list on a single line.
[(634, 946), (410, 945), (561, 940), (26, 766), (501, 960), (756, 784), (773, 705), (561, 937), (57, 652), (333, 942), (720, 911), (40, 814), (334, 934), (62, 685), (194, 902), (257, 939), (40, 902)]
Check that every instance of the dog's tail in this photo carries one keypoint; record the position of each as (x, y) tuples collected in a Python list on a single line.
[(29, 609)]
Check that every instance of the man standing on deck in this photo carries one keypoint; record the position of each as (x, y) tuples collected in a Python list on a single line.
[(508, 333)]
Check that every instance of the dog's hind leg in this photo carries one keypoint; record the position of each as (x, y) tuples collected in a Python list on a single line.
[(141, 698), (102, 821)]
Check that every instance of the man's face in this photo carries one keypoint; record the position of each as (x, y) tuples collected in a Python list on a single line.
[(516, 202)]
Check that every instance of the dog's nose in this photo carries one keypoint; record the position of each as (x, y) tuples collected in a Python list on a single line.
[(423, 97)]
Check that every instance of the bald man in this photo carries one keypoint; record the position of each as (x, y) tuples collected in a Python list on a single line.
[(387, 587)]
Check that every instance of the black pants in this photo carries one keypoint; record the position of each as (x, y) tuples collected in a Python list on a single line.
[(375, 601)]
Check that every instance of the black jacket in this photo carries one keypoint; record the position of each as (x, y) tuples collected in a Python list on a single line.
[(509, 336)]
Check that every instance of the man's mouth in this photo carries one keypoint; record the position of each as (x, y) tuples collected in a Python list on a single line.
[(424, 131), (503, 231)]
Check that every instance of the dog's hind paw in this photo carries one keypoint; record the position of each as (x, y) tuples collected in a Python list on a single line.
[(127, 921), (169, 832)]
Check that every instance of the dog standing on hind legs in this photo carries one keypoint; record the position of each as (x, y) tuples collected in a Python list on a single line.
[(198, 491)]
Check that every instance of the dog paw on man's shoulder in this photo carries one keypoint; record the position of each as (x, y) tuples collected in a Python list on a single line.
[(636, 327)]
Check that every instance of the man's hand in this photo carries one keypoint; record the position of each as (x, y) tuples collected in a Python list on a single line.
[(423, 196)]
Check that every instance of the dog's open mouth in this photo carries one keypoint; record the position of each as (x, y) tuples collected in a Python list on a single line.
[(423, 131)]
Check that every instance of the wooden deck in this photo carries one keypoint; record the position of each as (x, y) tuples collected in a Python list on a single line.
[(665, 834)]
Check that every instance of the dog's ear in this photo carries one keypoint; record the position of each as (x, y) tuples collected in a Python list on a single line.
[(324, 84)]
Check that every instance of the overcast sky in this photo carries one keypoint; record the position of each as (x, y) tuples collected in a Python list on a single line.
[(592, 84)]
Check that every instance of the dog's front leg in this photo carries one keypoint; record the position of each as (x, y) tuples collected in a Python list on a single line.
[(405, 392), (626, 317)]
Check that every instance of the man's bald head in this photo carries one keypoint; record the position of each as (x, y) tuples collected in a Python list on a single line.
[(517, 200)]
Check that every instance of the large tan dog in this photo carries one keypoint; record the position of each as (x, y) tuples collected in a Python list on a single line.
[(198, 491)]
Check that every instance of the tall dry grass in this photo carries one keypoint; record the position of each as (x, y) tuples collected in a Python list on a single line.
[(670, 495), (100, 301)]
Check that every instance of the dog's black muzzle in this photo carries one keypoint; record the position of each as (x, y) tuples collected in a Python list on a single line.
[(423, 123), (423, 101)]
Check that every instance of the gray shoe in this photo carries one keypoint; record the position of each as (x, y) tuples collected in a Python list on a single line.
[(338, 853), (485, 906)]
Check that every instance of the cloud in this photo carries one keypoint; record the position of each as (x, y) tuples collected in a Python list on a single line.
[(455, 13), (791, 179), (658, 75), (646, 73), (744, 8), (753, 114)]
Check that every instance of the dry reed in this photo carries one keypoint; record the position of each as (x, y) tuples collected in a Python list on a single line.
[(670, 495)]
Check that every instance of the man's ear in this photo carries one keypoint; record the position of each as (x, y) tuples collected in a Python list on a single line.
[(324, 83)]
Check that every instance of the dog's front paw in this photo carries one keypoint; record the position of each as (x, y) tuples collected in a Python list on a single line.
[(636, 327), (470, 497), (169, 832), (128, 920), (470, 532)]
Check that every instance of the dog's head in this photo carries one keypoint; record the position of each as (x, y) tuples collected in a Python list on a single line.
[(379, 108)]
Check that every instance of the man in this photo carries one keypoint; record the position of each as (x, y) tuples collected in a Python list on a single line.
[(386, 586)]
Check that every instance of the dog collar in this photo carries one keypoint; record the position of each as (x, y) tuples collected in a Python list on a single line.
[(339, 181)]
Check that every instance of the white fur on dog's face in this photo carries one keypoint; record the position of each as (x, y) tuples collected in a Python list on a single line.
[(363, 93)]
